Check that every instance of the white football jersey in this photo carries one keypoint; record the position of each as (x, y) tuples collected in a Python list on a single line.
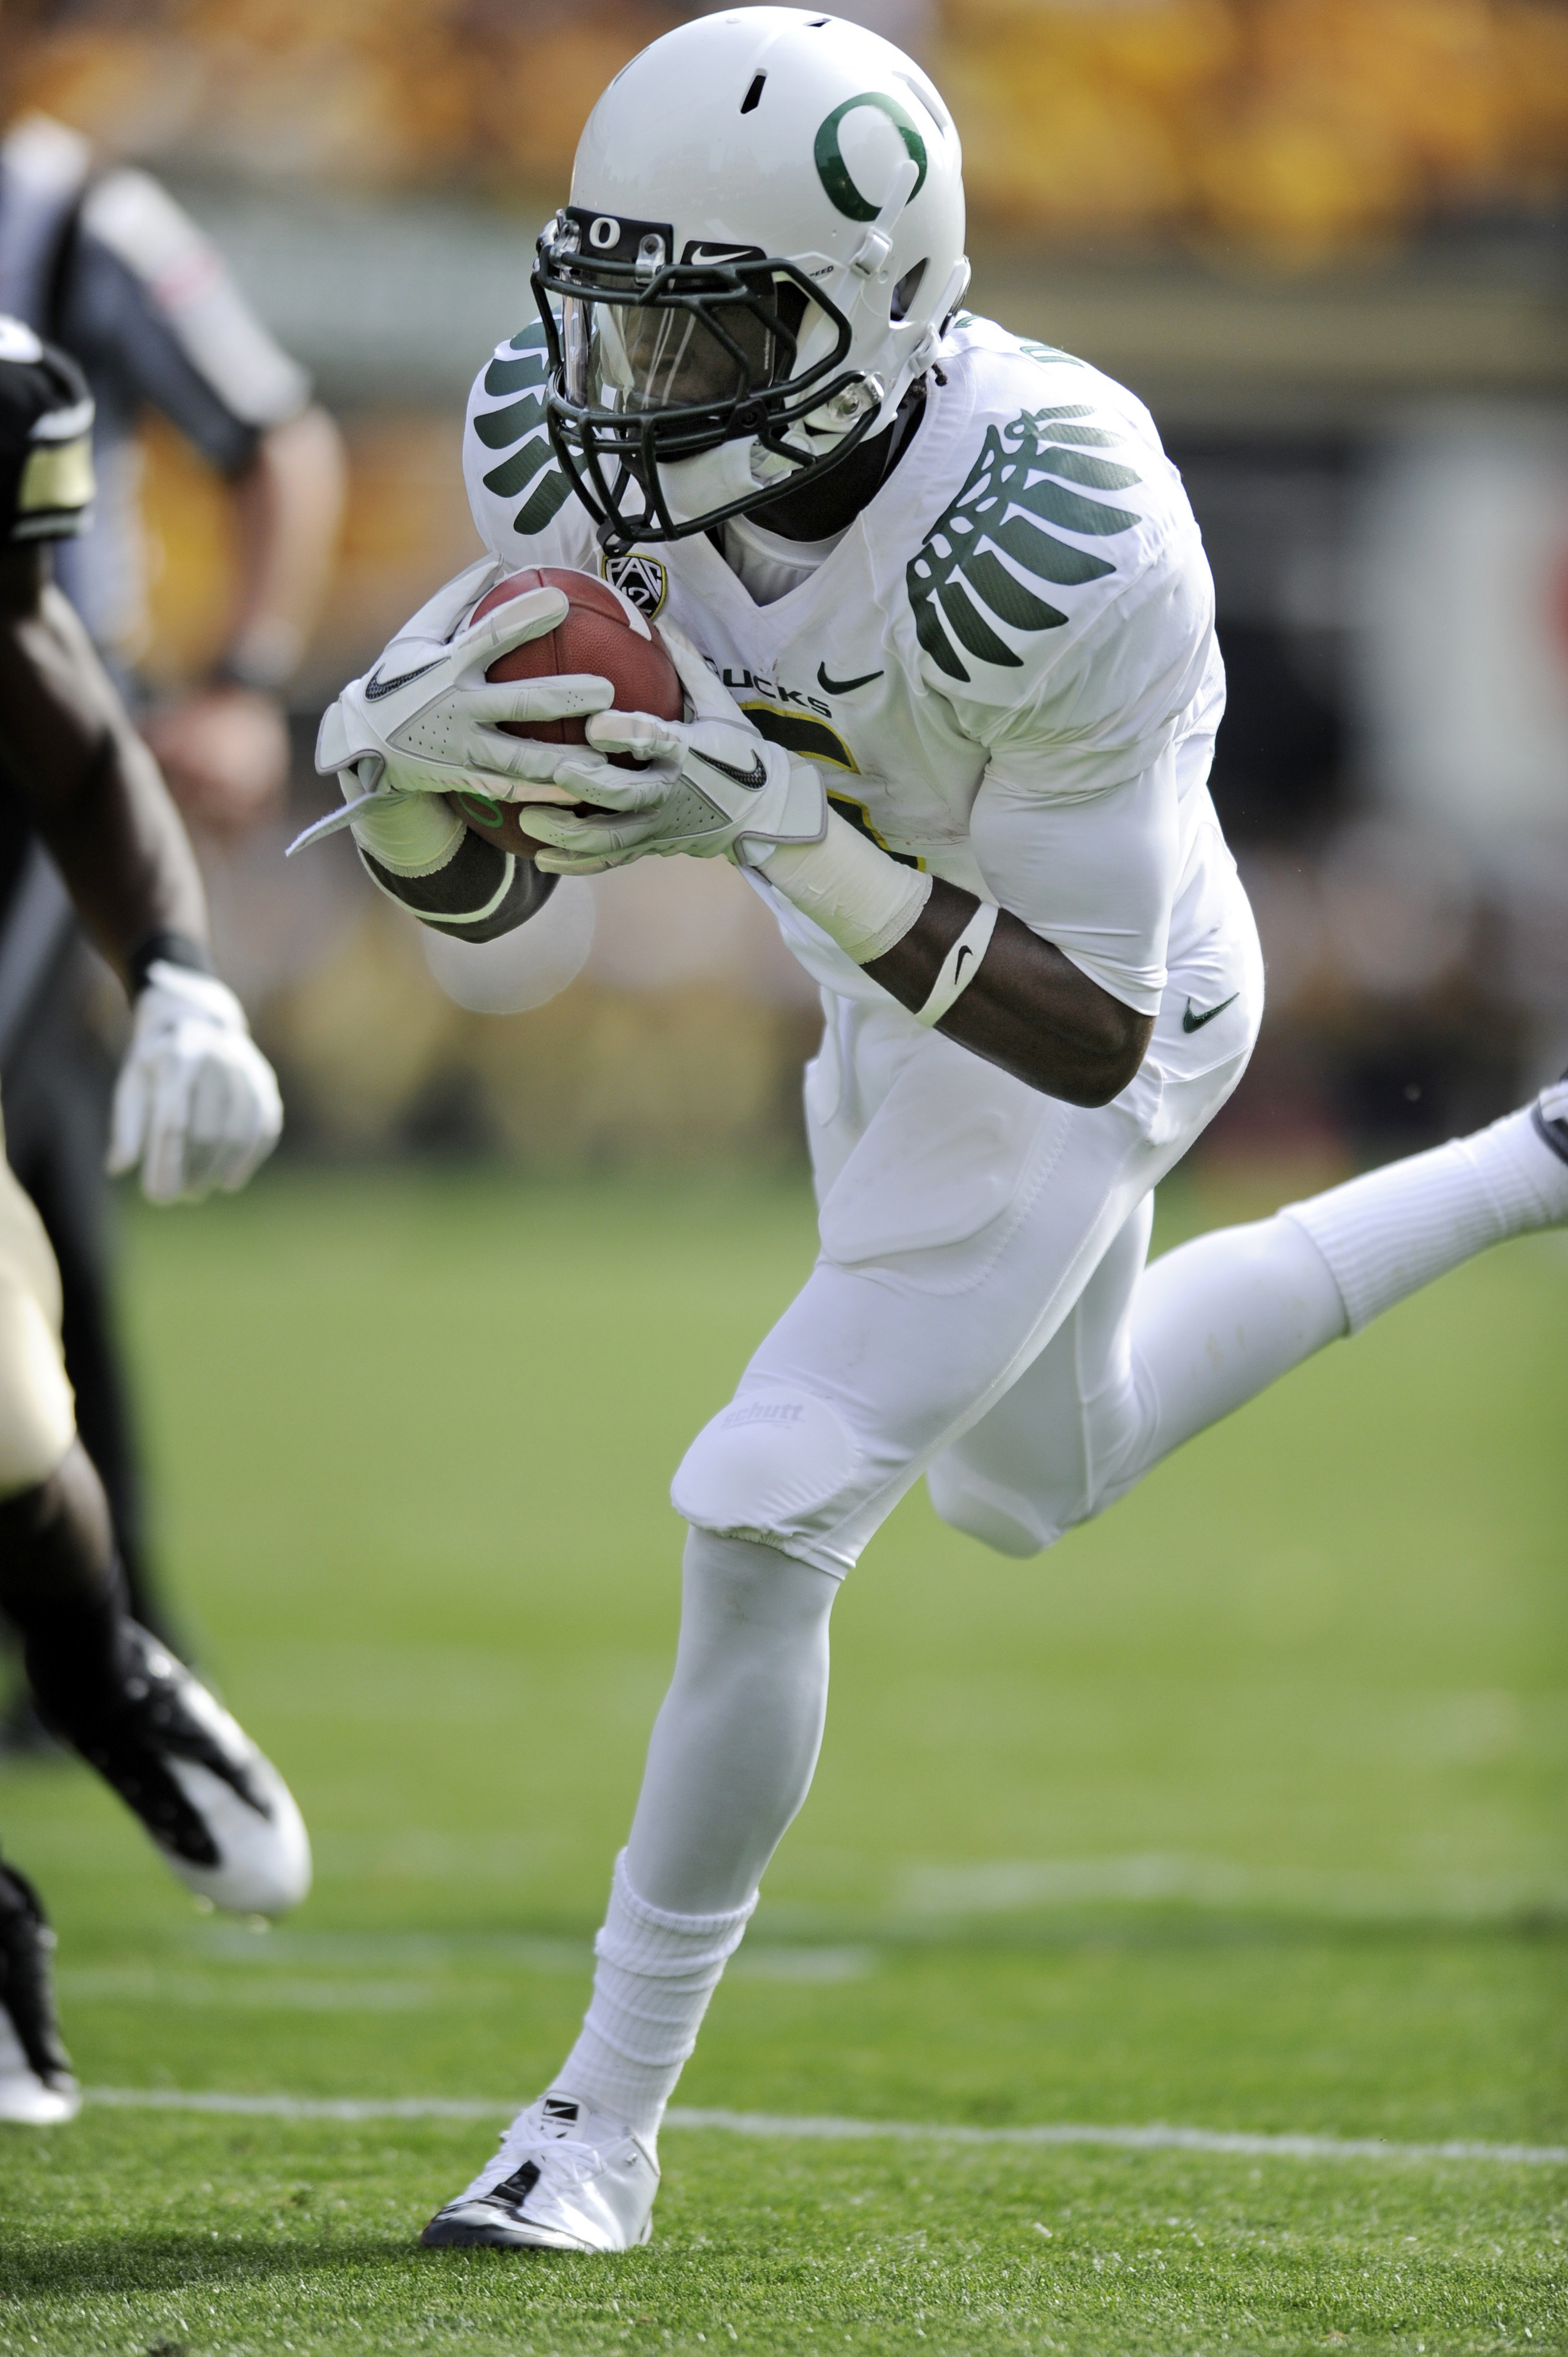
[(1005, 670)]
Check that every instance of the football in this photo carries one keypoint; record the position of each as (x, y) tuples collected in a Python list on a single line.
[(600, 632)]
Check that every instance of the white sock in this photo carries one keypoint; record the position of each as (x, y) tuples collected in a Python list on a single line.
[(1387, 1234), (728, 1765), (655, 1974), (733, 1748)]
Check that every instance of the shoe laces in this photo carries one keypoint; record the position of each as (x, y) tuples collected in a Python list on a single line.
[(569, 2158), (578, 2163)]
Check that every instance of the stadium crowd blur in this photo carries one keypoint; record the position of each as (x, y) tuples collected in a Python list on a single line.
[(1326, 240)]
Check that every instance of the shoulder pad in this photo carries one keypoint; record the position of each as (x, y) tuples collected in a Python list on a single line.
[(506, 416), (1067, 488), (45, 439)]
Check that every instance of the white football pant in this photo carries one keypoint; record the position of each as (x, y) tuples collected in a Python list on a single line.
[(973, 1312), (980, 1312)]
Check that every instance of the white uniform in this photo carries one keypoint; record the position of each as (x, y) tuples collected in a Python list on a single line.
[(1006, 671)]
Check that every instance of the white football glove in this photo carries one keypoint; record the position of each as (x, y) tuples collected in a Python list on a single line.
[(197, 1103), (423, 720), (713, 785)]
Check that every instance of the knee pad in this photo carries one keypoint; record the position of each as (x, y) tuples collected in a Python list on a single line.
[(774, 1466), (999, 1519), (37, 1409)]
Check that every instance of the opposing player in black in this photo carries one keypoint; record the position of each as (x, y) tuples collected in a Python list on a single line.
[(99, 259), (196, 1106)]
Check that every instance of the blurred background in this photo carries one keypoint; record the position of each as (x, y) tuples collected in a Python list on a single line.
[(1325, 240)]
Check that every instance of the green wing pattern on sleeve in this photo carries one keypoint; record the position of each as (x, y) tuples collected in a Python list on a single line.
[(531, 468), (1018, 484)]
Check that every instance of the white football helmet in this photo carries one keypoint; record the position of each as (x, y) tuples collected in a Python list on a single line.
[(764, 243)]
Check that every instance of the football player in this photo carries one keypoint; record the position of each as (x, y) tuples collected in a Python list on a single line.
[(947, 634), (99, 259), (197, 1106)]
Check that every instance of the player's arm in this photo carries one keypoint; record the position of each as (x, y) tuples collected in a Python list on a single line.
[(1028, 1007), (197, 1105), (225, 745), (149, 297), (1093, 876), (1071, 976), (423, 724), (101, 807)]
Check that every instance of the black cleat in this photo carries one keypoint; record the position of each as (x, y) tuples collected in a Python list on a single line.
[(36, 2083), (220, 1811)]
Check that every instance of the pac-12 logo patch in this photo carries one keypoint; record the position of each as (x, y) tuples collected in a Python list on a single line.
[(643, 581)]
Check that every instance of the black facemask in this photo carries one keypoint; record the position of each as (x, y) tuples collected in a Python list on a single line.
[(830, 502)]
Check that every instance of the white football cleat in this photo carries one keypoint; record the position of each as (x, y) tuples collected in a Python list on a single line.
[(217, 1808), (566, 2178), (30, 2098), (36, 2089)]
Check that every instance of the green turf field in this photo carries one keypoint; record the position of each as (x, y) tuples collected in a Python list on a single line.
[(1242, 1811)]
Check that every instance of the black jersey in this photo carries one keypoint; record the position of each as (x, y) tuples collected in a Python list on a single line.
[(45, 440), (46, 494)]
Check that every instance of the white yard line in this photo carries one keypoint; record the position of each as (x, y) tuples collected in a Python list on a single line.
[(299, 2108), (772, 2125)]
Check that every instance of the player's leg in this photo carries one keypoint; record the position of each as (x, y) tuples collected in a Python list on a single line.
[(59, 1084), (729, 1764), (934, 1290), (36, 2083), (1152, 1356), (1046, 1455), (220, 1813)]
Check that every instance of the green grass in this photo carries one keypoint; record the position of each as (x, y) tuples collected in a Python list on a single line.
[(1242, 1810)]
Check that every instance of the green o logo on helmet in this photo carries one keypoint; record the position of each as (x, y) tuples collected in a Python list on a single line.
[(833, 172)]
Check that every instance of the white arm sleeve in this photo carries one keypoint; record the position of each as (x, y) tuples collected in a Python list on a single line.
[(1095, 875)]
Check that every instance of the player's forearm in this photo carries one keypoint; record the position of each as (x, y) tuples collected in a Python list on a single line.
[(1028, 1008), (475, 893), (1018, 1002), (102, 808), (417, 851), (289, 501)]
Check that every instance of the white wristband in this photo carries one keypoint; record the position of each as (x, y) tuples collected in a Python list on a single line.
[(960, 965), (860, 897)]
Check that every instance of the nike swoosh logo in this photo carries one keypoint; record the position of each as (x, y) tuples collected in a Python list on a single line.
[(1191, 1022), (958, 962), (376, 687), (709, 257), (843, 686), (754, 779)]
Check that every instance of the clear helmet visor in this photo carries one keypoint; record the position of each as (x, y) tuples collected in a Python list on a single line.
[(636, 358)]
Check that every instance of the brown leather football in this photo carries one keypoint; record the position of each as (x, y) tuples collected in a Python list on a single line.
[(598, 633)]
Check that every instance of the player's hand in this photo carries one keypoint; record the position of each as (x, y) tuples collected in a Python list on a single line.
[(713, 785), (423, 719), (197, 1103), (409, 834), (224, 752)]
